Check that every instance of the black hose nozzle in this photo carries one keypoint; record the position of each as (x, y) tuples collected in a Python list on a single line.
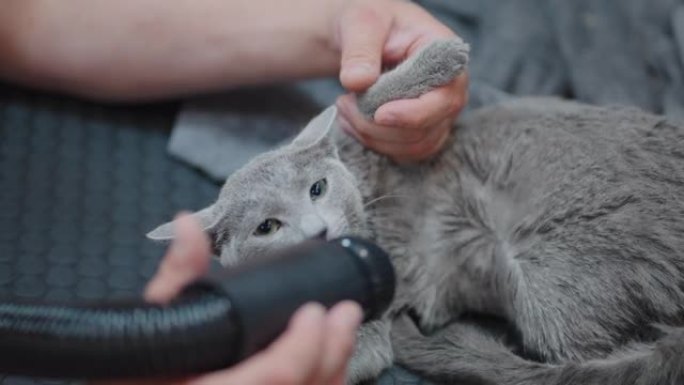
[(214, 323)]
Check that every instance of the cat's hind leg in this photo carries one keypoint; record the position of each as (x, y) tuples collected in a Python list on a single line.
[(373, 352)]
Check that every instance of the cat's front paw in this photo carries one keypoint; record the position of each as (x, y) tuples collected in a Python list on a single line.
[(368, 364), (373, 353), (414, 349)]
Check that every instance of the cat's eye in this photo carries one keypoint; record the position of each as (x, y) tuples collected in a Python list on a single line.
[(267, 227), (318, 189)]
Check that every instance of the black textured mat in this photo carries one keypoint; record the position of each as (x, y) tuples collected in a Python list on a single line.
[(80, 185)]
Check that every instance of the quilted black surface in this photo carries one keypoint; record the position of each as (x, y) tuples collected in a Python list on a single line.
[(80, 185)]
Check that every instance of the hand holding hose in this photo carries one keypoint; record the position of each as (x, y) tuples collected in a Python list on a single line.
[(314, 349), (207, 322)]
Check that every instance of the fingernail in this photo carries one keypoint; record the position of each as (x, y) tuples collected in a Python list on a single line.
[(357, 71), (309, 313), (347, 314), (388, 119), (354, 316)]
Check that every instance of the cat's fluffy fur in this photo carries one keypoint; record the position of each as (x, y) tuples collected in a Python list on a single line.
[(564, 220)]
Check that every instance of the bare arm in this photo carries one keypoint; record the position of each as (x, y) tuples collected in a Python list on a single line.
[(141, 49)]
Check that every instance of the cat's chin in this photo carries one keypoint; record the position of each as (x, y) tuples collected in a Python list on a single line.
[(343, 230), (360, 233)]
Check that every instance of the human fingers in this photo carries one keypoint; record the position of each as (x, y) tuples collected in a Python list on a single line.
[(363, 29), (186, 260), (428, 109), (293, 359), (342, 323), (351, 118)]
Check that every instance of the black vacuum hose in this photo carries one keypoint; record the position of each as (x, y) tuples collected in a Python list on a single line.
[(213, 324)]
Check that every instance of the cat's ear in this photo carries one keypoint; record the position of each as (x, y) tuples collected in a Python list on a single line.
[(318, 130), (205, 217)]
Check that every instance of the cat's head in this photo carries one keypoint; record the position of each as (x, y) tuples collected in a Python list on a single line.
[(283, 197)]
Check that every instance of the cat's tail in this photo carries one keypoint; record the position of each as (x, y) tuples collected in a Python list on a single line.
[(471, 355), (433, 66)]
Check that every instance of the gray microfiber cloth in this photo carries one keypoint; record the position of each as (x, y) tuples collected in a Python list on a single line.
[(596, 51)]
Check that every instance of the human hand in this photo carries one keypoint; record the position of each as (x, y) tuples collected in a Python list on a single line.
[(314, 350), (374, 33)]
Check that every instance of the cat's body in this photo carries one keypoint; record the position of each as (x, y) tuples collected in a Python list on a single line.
[(565, 220), (582, 252), (477, 229)]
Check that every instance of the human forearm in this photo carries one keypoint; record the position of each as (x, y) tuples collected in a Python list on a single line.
[(140, 49), (144, 49)]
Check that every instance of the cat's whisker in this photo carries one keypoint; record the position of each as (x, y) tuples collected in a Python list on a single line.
[(353, 222), (370, 202)]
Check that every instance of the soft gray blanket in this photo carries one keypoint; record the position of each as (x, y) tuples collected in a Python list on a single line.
[(597, 51)]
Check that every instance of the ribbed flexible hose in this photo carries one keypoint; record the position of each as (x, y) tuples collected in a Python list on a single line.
[(118, 340), (213, 324)]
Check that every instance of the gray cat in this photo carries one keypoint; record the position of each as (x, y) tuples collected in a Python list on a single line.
[(563, 220)]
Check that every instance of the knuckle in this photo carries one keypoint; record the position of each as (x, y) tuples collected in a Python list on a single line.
[(359, 56), (465, 99), (365, 13), (460, 96), (456, 104), (454, 108)]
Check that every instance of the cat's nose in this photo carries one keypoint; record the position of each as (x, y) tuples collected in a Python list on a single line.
[(323, 234)]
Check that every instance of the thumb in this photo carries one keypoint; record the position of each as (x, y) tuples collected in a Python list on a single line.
[(185, 261), (363, 30)]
